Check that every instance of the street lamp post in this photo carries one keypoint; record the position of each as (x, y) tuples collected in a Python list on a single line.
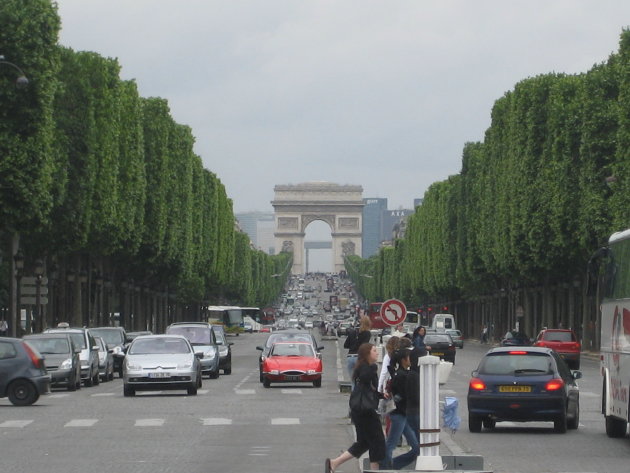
[(16, 317), (37, 315), (21, 82)]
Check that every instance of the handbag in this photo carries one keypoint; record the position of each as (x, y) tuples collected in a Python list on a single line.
[(363, 399)]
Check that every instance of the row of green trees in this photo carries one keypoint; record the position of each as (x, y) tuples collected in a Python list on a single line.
[(95, 178), (546, 187)]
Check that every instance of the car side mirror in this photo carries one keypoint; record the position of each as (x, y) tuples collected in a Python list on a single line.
[(474, 374), (230, 344), (77, 350), (260, 348), (96, 348), (576, 374), (320, 348), (199, 355)]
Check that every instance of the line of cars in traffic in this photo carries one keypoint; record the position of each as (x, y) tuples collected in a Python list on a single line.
[(68, 357)]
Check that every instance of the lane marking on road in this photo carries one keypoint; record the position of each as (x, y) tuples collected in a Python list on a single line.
[(245, 391), (15, 423), (339, 364), (149, 422), (203, 391), (285, 421), (81, 423), (102, 394), (215, 421), (149, 393), (291, 391), (259, 451), (58, 396)]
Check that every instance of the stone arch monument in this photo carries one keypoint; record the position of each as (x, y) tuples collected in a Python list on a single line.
[(340, 206)]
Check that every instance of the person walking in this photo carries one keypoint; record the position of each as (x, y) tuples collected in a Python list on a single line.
[(384, 378), (4, 328), (367, 423), (354, 341), (398, 416), (419, 347)]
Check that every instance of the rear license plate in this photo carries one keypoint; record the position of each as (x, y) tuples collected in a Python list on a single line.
[(159, 375), (437, 353), (292, 378), (515, 389)]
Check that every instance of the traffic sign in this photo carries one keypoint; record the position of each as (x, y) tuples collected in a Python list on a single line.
[(393, 312)]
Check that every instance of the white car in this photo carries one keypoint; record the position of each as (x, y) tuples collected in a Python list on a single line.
[(161, 362)]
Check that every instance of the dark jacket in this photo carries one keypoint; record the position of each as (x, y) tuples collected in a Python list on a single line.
[(367, 375), (399, 390), (357, 340), (413, 392)]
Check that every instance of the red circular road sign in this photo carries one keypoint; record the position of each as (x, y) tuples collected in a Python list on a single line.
[(393, 312)]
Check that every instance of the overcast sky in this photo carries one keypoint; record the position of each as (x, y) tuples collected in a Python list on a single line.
[(382, 94)]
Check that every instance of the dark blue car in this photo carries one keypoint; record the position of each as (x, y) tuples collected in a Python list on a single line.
[(523, 384), (23, 375)]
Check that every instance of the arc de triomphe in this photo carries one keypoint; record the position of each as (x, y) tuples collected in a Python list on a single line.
[(340, 206)]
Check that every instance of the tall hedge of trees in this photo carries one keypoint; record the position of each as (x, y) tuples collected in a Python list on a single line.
[(105, 187), (515, 228)]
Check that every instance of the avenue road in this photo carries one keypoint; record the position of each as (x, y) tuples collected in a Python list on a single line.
[(236, 425)]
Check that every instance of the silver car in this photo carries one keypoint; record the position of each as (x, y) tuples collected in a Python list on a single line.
[(105, 360), (83, 340), (159, 362)]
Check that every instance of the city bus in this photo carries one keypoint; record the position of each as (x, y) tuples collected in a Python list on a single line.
[(231, 317), (611, 267)]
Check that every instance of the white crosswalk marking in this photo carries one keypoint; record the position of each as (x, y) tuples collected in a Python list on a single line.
[(216, 421), (15, 423), (149, 422), (291, 391), (245, 391), (103, 394), (58, 395), (81, 423), (203, 391), (285, 421)]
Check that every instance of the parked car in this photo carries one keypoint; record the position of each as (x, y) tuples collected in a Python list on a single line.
[(456, 336), (285, 336), (160, 362), (203, 339), (564, 342), (23, 376), (83, 339), (61, 358), (116, 340), (523, 384), (292, 362), (225, 349), (105, 360), (440, 344), (512, 338)]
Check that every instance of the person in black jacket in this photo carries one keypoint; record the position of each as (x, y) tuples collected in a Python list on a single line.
[(398, 416), (354, 341), (367, 424)]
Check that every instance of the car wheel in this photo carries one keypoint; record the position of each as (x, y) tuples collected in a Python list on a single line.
[(72, 384), (560, 423), (261, 377), (128, 391), (111, 375), (192, 390), (88, 382), (474, 423), (214, 374), (317, 383), (266, 382), (228, 370), (22, 393), (199, 381), (97, 379), (574, 422), (489, 423)]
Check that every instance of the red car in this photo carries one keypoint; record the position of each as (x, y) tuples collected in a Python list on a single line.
[(564, 342), (292, 362)]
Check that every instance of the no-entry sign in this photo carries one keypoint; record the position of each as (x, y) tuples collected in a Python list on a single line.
[(393, 312)]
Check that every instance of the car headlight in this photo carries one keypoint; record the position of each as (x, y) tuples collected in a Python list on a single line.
[(66, 364), (133, 366), (274, 372), (311, 372), (184, 366), (210, 353)]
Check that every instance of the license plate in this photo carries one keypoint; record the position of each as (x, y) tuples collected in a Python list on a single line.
[(292, 378), (437, 353), (159, 375), (515, 389)]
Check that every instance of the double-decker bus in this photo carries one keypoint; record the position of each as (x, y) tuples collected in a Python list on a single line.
[(614, 262), (231, 317)]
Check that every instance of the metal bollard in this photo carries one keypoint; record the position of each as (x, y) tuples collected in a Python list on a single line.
[(429, 458)]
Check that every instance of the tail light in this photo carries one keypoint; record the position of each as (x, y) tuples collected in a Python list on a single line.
[(554, 384), (514, 352), (37, 361), (477, 384)]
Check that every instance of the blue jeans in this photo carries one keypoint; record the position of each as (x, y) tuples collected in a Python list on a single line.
[(398, 427), (351, 360)]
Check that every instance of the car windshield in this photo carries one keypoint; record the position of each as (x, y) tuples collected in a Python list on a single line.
[(293, 337), (195, 335), (79, 340), (558, 336), (292, 349), (506, 363), (150, 346), (111, 337), (220, 336), (51, 346)]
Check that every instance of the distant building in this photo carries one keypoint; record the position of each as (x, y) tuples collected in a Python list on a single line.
[(372, 224), (391, 223), (259, 226)]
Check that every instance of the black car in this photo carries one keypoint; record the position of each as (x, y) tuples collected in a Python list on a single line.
[(23, 376), (516, 339), (440, 344), (61, 358), (523, 384)]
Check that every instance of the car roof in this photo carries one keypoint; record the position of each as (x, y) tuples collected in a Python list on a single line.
[(529, 349), (45, 335), (66, 330), (159, 335), (556, 330)]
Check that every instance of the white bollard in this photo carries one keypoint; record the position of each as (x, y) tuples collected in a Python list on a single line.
[(429, 458)]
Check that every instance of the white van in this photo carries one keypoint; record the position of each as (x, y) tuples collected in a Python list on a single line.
[(443, 322)]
